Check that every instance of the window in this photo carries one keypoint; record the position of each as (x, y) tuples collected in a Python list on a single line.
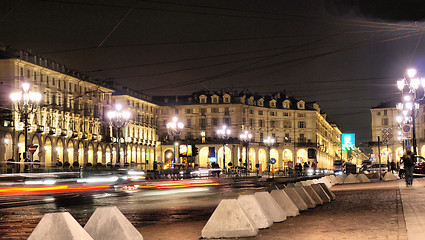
[(226, 111), (261, 123), (286, 114), (28, 74), (215, 100), (226, 99), (35, 76), (272, 113), (287, 124), (301, 124), (261, 137), (272, 104), (214, 110), (214, 121), (188, 123), (176, 111), (188, 111), (251, 122), (22, 72), (243, 121), (47, 80), (226, 121), (287, 138), (260, 112), (251, 111), (302, 138), (53, 81), (385, 121), (273, 124), (203, 111), (203, 100), (385, 112), (203, 123), (274, 135), (301, 114), (378, 113)]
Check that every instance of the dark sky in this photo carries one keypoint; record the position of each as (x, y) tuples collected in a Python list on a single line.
[(346, 55)]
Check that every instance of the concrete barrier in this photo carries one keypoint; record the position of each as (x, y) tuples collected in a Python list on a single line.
[(271, 207), (351, 179), (389, 176), (322, 193), (326, 181), (296, 199), (363, 178), (330, 180), (310, 182), (328, 191), (298, 184), (255, 211), (290, 185), (285, 203), (109, 223), (334, 180), (304, 183), (313, 195), (340, 179), (304, 195), (59, 226), (229, 220)]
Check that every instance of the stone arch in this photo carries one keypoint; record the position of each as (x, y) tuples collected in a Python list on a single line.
[(48, 153), (203, 157), (287, 158), (59, 150), (80, 154), (301, 156), (8, 146), (252, 160), (228, 155), (99, 154), (262, 159), (90, 154), (108, 154), (70, 151)]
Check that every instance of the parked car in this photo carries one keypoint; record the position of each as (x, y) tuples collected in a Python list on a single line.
[(238, 170), (419, 165)]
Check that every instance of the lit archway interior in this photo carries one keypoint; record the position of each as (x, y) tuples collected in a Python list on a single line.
[(228, 155), (301, 156)]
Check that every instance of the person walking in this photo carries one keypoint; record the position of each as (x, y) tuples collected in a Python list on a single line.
[(392, 164), (409, 162)]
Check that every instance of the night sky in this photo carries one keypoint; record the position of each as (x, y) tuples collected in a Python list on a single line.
[(346, 55)]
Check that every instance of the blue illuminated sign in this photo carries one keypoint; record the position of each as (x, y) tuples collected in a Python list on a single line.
[(348, 141)]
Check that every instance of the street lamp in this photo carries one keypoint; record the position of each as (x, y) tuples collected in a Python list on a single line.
[(408, 87), (25, 103), (119, 118), (245, 138), (224, 134), (269, 142), (174, 129)]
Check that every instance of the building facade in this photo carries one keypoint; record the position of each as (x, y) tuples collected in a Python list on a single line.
[(294, 124), (383, 116), (71, 122)]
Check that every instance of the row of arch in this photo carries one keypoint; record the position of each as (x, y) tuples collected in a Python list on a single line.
[(51, 150)]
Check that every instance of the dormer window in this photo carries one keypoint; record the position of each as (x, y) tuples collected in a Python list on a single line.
[(273, 103), (214, 99), (251, 101), (226, 98), (260, 102), (301, 105), (285, 104), (203, 99)]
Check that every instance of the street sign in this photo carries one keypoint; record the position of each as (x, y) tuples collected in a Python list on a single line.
[(407, 130), (57, 159), (348, 141), (32, 148), (273, 160)]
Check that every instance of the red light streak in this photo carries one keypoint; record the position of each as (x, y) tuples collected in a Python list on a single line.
[(177, 185), (58, 188)]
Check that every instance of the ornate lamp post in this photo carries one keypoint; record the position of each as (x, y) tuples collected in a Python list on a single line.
[(408, 87), (174, 129), (25, 103), (119, 118), (224, 134), (245, 137), (269, 142)]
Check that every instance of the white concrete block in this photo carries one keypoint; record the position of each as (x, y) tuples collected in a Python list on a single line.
[(285, 203), (255, 211), (340, 179), (298, 184), (109, 223), (296, 199), (290, 185), (328, 191), (313, 195), (304, 183), (363, 178), (229, 220), (389, 176), (326, 181), (61, 225), (310, 182), (271, 207), (334, 179), (304, 195), (322, 194), (351, 179), (330, 180)]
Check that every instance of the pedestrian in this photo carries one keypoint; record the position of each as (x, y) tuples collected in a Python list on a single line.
[(392, 166), (409, 162)]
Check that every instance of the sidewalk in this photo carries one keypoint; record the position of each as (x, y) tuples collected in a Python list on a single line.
[(361, 211), (414, 208)]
